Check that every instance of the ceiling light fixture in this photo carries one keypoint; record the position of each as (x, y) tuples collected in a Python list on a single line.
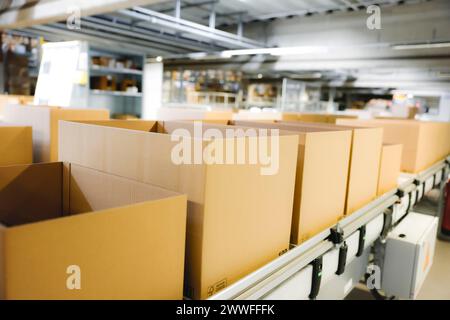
[(284, 51), (421, 46)]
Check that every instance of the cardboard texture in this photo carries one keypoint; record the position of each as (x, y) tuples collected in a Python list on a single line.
[(238, 219), (424, 143), (44, 121), (364, 162), (127, 238), (390, 163), (16, 146), (322, 173)]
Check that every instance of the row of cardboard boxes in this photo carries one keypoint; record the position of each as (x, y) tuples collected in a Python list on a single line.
[(118, 217)]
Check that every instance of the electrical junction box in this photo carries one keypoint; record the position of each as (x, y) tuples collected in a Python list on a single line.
[(409, 255)]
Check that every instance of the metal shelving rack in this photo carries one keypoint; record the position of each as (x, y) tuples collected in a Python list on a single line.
[(116, 101), (291, 275)]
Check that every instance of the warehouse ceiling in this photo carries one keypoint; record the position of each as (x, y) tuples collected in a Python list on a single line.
[(355, 55), (229, 12)]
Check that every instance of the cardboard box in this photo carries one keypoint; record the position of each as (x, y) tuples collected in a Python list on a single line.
[(424, 143), (364, 162), (216, 116), (115, 237), (257, 116), (390, 163), (321, 181), (16, 146), (6, 99), (238, 219), (316, 117), (44, 121)]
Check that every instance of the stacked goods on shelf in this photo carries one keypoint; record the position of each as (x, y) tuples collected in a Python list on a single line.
[(321, 181), (107, 83), (364, 162), (17, 79), (390, 164), (16, 145), (424, 143), (128, 84), (239, 215), (113, 63), (45, 121), (88, 235), (316, 117)]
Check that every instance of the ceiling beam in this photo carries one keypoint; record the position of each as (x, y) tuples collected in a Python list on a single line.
[(23, 13)]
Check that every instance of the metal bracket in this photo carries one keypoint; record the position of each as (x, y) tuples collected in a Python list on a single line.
[(342, 259), (316, 277), (336, 235)]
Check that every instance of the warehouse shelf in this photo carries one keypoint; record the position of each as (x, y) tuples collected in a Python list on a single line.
[(117, 93), (289, 276), (101, 69)]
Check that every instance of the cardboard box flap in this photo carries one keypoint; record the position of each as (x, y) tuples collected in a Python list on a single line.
[(30, 193), (139, 125), (92, 190), (15, 144)]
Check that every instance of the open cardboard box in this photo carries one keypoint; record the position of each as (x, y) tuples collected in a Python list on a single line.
[(424, 143), (238, 218), (16, 145), (121, 239), (364, 161), (44, 121), (321, 181)]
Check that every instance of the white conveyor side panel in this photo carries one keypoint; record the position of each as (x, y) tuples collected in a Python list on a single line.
[(297, 288)]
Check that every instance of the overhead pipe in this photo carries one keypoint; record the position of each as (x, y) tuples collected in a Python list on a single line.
[(181, 25)]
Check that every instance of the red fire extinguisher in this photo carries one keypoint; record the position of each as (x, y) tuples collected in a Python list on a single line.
[(446, 217)]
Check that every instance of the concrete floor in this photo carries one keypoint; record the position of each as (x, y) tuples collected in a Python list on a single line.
[(436, 285)]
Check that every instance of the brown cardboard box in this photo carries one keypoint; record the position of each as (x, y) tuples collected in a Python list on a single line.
[(44, 121), (321, 182), (238, 219), (216, 116), (316, 117), (126, 237), (390, 163), (364, 162), (16, 146), (6, 99), (424, 143)]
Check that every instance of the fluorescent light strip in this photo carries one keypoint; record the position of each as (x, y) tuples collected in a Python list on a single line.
[(276, 51), (422, 46)]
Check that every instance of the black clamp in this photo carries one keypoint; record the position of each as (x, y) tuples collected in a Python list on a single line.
[(400, 193), (409, 203), (342, 259), (362, 241), (316, 278), (336, 235), (418, 192), (387, 223)]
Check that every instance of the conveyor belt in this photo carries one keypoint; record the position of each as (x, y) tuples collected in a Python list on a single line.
[(291, 275)]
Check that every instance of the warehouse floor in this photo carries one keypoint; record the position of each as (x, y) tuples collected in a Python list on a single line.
[(437, 284)]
